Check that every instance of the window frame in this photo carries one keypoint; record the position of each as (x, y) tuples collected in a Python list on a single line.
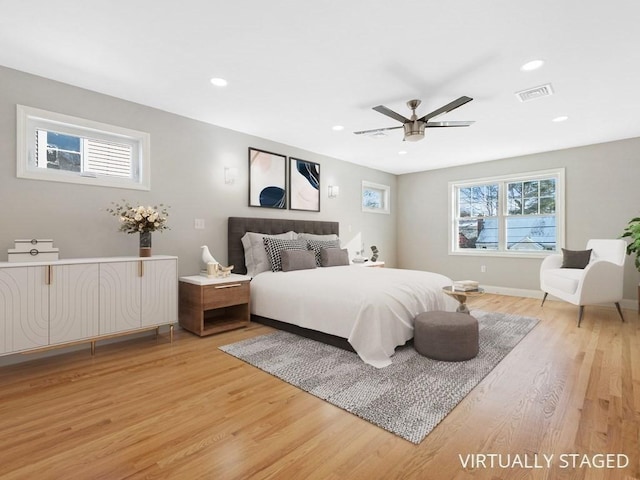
[(385, 190), (502, 215), (30, 119)]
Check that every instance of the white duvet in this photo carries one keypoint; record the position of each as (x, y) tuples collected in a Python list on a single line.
[(373, 308)]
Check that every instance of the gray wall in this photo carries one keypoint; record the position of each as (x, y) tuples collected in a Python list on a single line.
[(188, 160), (601, 195), (187, 172)]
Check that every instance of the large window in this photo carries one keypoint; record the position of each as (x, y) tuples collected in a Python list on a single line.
[(62, 148), (511, 215)]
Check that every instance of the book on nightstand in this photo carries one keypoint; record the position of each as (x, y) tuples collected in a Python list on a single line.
[(465, 285)]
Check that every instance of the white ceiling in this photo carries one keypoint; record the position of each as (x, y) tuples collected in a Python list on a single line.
[(297, 68)]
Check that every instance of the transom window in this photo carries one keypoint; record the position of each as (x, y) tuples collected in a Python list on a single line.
[(62, 148), (512, 215)]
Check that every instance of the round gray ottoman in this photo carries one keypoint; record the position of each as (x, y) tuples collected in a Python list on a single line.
[(449, 336)]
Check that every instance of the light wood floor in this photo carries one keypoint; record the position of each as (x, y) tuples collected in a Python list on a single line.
[(141, 409)]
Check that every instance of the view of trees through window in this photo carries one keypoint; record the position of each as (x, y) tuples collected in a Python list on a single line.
[(372, 198), (528, 223)]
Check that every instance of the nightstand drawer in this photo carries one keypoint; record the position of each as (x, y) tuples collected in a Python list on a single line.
[(225, 295)]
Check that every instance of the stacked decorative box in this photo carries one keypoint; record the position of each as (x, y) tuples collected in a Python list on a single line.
[(33, 250)]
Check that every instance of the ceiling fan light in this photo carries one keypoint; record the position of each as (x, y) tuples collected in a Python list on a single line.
[(414, 137), (414, 131)]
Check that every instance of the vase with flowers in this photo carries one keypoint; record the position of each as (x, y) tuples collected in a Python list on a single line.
[(142, 220)]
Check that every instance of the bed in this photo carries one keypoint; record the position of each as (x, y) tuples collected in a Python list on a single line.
[(367, 310)]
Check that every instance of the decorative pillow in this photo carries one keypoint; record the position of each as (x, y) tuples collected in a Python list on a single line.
[(313, 236), (317, 245), (255, 255), (275, 246), (297, 260), (575, 258), (334, 257)]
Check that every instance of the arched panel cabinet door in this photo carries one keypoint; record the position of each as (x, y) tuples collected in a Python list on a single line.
[(73, 302), (119, 296), (159, 292), (24, 308)]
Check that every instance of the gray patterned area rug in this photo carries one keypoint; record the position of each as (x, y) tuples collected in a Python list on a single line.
[(408, 398)]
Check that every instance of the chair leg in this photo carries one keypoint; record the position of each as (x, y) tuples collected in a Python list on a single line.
[(580, 313), (619, 311), (544, 298)]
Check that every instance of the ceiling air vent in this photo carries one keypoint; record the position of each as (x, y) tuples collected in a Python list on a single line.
[(535, 92)]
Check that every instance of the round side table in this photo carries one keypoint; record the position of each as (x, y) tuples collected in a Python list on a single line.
[(461, 296)]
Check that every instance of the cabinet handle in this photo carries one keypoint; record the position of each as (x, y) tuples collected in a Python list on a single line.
[(50, 274), (228, 286), (47, 275), (140, 269)]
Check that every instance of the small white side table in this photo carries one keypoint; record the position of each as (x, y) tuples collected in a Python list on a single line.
[(378, 264)]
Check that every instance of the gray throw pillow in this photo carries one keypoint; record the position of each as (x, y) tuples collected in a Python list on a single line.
[(316, 245), (297, 260), (334, 257), (275, 247), (575, 258)]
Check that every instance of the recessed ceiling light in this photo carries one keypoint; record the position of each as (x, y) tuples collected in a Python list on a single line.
[(402, 152), (532, 65), (219, 82), (561, 118), (337, 128)]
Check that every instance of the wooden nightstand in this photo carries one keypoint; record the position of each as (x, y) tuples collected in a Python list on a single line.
[(214, 305)]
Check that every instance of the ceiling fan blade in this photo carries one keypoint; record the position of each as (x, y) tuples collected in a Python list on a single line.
[(390, 113), (449, 124), (447, 108), (377, 130)]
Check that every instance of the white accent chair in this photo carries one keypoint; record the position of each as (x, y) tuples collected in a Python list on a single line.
[(599, 282)]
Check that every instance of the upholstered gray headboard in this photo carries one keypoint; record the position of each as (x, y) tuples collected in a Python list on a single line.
[(238, 226)]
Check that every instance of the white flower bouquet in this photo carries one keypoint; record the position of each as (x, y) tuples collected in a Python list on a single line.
[(140, 219)]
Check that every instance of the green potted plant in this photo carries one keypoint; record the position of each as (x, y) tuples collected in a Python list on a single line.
[(632, 230)]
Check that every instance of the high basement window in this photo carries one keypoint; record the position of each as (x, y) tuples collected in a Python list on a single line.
[(62, 148)]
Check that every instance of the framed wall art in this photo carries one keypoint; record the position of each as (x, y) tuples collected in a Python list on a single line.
[(304, 185), (267, 179)]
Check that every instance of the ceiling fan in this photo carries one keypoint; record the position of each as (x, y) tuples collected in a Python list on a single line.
[(414, 126)]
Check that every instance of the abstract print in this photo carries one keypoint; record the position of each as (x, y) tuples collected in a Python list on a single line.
[(304, 185), (267, 176)]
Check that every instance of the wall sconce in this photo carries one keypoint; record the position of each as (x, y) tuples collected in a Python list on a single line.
[(230, 175), (334, 191)]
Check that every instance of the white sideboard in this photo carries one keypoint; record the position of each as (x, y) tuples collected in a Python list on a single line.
[(56, 303)]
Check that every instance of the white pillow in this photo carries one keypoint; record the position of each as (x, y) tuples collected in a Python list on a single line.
[(312, 236), (255, 255)]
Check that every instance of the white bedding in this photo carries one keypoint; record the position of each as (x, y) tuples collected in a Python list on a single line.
[(373, 308)]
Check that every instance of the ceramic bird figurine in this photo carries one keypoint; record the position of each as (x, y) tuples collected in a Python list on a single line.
[(207, 258)]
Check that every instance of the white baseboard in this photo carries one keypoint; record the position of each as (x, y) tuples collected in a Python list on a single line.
[(626, 303)]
